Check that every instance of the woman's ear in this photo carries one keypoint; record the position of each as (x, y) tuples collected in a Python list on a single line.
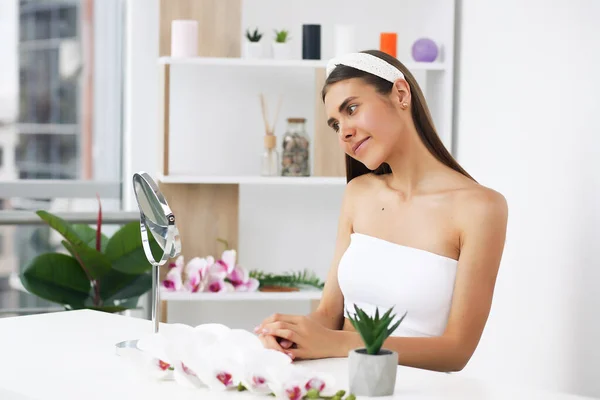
[(401, 93)]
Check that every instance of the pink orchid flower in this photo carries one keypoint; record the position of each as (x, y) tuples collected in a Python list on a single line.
[(211, 358), (294, 381), (173, 281), (196, 271), (217, 284), (227, 262), (254, 375), (239, 278)]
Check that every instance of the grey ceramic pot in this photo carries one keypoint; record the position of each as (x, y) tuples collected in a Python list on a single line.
[(372, 375)]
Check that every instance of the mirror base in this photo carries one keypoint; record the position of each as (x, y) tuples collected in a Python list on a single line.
[(125, 345)]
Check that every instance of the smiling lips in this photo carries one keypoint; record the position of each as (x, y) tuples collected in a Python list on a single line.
[(358, 145)]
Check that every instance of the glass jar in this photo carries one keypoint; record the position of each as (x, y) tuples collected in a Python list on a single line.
[(295, 149)]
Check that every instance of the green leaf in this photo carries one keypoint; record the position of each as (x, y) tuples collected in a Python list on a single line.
[(88, 235), (125, 251), (58, 278), (96, 263), (61, 226), (109, 309), (395, 326), (129, 303), (120, 286), (288, 279)]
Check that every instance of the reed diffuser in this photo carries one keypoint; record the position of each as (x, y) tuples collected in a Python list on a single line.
[(270, 157)]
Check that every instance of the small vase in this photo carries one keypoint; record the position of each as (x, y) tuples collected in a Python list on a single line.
[(254, 50), (282, 51), (372, 375)]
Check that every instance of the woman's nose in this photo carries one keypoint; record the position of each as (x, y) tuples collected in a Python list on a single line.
[(347, 132)]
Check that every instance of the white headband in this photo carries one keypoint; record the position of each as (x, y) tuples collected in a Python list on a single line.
[(367, 63)]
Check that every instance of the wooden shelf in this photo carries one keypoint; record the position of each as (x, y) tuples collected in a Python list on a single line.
[(242, 296), (266, 62), (255, 180)]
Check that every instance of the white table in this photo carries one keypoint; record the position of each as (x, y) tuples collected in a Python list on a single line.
[(71, 356)]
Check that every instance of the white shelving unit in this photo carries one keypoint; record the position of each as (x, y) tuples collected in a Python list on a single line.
[(266, 62), (215, 134), (243, 296), (255, 180)]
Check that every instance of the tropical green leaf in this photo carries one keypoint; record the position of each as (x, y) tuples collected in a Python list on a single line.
[(61, 226), (58, 278), (109, 309), (88, 235), (121, 286), (130, 303), (117, 285), (96, 263), (125, 251)]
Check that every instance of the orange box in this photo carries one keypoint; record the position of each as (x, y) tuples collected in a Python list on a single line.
[(388, 43)]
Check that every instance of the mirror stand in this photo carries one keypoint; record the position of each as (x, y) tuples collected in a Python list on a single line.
[(156, 217)]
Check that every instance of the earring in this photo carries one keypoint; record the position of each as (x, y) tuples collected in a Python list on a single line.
[(404, 105)]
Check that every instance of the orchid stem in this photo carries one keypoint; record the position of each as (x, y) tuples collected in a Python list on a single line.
[(225, 243)]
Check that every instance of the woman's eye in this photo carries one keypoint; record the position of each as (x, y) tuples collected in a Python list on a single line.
[(351, 109), (336, 126)]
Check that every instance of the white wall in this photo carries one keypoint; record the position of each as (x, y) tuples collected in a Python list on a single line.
[(140, 119), (528, 104), (8, 86), (8, 54)]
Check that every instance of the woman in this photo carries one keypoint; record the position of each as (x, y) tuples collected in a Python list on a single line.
[(416, 231)]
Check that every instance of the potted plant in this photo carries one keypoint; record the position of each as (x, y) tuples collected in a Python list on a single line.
[(372, 369), (95, 272), (253, 45), (281, 45)]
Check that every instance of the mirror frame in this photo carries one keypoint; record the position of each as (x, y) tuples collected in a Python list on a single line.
[(172, 245)]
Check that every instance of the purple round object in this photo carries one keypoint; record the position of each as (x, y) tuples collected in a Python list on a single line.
[(424, 50)]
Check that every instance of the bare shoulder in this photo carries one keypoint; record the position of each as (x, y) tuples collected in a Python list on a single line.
[(361, 185), (478, 207)]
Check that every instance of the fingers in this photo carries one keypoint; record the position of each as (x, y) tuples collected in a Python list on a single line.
[(269, 342), (292, 319), (270, 327), (285, 334), (297, 354), (286, 344)]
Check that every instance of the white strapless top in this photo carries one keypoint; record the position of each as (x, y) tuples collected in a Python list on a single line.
[(376, 273)]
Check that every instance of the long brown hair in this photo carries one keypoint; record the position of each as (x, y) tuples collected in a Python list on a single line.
[(420, 114)]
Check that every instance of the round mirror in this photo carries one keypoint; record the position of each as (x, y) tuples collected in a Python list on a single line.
[(157, 217)]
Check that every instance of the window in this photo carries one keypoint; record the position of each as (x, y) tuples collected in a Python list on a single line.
[(61, 81)]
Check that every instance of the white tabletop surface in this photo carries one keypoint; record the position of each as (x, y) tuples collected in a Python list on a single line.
[(71, 356)]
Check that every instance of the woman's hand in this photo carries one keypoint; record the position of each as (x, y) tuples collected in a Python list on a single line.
[(301, 336)]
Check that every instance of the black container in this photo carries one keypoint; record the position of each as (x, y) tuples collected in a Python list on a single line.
[(311, 42)]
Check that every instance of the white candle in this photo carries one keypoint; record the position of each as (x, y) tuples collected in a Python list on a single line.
[(184, 38), (345, 39)]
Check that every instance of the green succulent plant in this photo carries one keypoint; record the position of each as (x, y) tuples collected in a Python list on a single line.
[(253, 36), (282, 36), (374, 330)]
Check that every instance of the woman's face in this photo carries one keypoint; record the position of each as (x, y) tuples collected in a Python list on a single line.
[(369, 125)]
